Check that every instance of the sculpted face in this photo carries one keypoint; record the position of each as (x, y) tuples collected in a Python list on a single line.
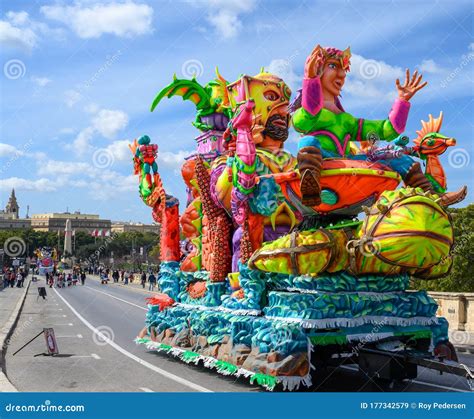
[(271, 116), (333, 78)]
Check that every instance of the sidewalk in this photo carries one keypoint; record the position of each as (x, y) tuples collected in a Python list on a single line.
[(11, 301)]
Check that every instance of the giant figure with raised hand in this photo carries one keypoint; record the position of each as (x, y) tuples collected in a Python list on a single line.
[(328, 130)]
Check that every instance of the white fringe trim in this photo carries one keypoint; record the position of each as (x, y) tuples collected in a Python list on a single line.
[(288, 383), (358, 321), (366, 293), (238, 312)]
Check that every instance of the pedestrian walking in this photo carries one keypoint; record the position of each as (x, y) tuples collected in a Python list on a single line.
[(143, 279), (83, 278), (152, 281)]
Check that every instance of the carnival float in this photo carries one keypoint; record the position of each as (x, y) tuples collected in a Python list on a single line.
[(46, 259), (279, 264)]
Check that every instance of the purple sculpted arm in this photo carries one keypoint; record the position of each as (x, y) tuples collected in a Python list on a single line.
[(312, 95), (399, 114)]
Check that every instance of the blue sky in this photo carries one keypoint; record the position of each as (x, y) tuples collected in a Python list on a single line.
[(79, 77)]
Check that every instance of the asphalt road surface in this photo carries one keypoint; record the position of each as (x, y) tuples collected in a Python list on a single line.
[(87, 363)]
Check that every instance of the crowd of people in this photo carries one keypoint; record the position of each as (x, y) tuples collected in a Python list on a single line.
[(62, 280), (14, 277), (128, 277)]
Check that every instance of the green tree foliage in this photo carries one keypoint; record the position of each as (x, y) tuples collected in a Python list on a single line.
[(461, 277)]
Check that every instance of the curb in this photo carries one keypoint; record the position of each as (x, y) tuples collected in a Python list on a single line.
[(5, 333), (469, 349)]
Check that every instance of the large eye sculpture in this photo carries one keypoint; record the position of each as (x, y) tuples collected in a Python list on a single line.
[(271, 95)]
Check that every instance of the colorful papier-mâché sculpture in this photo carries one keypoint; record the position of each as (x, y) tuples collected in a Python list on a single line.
[(328, 129)]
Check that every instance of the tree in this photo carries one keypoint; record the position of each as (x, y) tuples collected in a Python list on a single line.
[(461, 277)]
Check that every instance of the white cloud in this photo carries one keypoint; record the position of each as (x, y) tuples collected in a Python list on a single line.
[(41, 81), (429, 66), (7, 150), (91, 108), (173, 159), (110, 184), (71, 97), (224, 15), (59, 168), (81, 144), (91, 21), (21, 184), (120, 150), (18, 31), (108, 122), (18, 18), (283, 68), (12, 36), (371, 80)]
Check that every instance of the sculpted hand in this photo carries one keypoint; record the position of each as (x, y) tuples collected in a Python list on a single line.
[(314, 63), (410, 87)]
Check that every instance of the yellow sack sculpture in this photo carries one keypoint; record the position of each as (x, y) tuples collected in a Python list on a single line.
[(405, 231)]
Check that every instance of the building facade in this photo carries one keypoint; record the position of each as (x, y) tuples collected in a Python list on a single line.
[(123, 227), (10, 216), (56, 221), (12, 209)]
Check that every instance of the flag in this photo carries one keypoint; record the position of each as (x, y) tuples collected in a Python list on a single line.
[(99, 233), (107, 233), (73, 232)]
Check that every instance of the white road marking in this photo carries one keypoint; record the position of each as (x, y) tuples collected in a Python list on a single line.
[(81, 356), (418, 382), (146, 364), (95, 356), (146, 389), (63, 324), (117, 298)]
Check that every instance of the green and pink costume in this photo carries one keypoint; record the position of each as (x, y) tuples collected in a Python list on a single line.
[(331, 132)]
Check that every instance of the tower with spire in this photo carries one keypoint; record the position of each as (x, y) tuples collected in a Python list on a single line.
[(12, 206)]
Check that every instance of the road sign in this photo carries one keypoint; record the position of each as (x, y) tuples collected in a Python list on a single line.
[(50, 341)]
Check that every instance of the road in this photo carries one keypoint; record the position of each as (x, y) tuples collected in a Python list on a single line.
[(87, 363)]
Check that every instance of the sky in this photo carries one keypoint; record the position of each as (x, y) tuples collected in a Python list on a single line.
[(78, 79)]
